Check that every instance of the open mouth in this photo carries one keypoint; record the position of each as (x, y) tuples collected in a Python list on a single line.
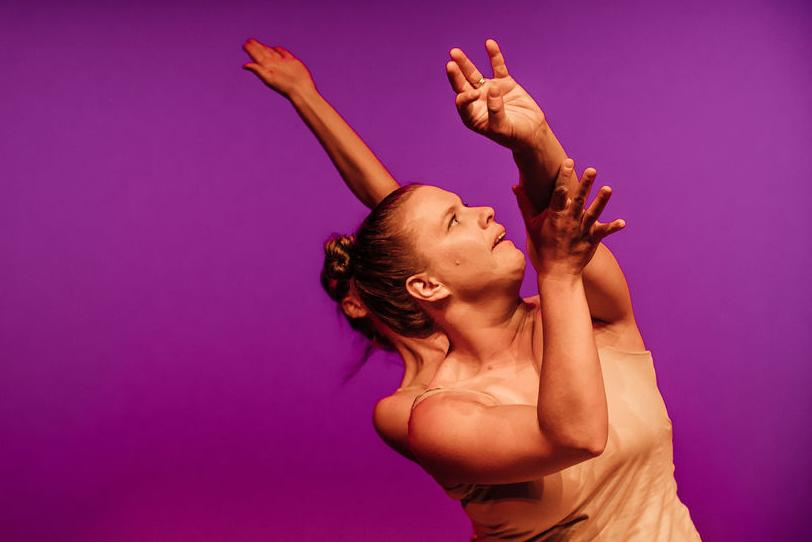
[(499, 238)]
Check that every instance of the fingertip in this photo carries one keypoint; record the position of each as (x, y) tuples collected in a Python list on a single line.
[(569, 163), (621, 223)]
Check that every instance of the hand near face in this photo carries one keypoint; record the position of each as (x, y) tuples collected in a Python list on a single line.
[(278, 68), (564, 237), (497, 108)]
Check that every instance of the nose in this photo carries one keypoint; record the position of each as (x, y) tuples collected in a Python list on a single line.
[(486, 215)]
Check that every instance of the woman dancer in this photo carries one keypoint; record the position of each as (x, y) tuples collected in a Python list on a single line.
[(544, 481), (538, 157)]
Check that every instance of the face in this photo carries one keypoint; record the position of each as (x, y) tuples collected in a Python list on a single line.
[(462, 247)]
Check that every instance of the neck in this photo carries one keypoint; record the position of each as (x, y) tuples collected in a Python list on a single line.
[(419, 356), (485, 330)]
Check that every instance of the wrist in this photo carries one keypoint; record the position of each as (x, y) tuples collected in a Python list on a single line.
[(558, 277), (303, 95), (532, 149)]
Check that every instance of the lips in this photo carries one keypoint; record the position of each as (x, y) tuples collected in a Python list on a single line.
[(499, 237)]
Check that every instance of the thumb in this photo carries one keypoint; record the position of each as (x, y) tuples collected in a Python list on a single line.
[(525, 205)]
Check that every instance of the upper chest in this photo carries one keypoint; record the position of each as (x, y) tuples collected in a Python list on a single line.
[(518, 382)]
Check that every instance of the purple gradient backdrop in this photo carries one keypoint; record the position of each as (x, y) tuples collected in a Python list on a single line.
[(170, 366)]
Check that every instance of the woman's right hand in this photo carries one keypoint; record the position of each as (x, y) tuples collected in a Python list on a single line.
[(278, 68), (563, 238)]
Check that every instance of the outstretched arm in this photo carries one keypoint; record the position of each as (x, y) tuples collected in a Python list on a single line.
[(361, 170), (500, 109)]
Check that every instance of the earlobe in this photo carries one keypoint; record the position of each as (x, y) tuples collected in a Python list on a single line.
[(424, 288), (353, 308)]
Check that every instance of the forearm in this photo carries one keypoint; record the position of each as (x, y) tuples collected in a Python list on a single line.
[(571, 401), (361, 170), (538, 168)]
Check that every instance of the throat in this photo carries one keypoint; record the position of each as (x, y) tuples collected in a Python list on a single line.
[(486, 344)]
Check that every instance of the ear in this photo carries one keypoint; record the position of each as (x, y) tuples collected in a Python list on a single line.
[(425, 288), (353, 308)]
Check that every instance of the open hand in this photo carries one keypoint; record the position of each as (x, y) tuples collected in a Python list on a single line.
[(278, 68), (497, 108), (564, 237)]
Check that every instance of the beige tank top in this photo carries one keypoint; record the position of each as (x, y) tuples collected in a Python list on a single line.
[(628, 493)]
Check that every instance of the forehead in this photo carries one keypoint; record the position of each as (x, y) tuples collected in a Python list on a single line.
[(430, 201), (425, 211)]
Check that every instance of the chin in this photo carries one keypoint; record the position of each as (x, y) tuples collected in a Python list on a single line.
[(521, 261), (517, 265)]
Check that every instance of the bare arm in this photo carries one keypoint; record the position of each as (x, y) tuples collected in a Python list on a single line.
[(363, 173), (504, 112)]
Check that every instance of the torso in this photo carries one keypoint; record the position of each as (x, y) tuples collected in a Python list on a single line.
[(627, 493)]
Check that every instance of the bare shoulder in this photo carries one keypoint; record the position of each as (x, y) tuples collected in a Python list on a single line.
[(441, 425), (391, 419)]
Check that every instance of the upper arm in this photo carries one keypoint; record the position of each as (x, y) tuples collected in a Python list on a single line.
[(457, 438), (391, 421), (376, 189), (607, 291)]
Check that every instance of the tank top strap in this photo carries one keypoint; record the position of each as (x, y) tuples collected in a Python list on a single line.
[(437, 389)]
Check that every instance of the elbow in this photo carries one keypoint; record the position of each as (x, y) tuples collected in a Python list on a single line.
[(586, 448), (585, 440), (594, 449), (597, 445)]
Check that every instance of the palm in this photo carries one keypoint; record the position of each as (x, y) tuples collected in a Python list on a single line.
[(499, 109), (524, 116)]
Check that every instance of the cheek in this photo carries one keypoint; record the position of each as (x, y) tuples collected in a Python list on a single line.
[(464, 257)]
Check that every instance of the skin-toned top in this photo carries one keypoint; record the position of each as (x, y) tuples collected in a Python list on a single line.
[(628, 493)]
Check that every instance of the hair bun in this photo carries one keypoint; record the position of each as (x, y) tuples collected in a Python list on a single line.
[(337, 271)]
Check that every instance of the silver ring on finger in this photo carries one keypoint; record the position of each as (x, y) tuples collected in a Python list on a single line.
[(480, 82)]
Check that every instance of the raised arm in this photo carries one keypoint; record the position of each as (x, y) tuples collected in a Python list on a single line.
[(500, 109), (361, 170)]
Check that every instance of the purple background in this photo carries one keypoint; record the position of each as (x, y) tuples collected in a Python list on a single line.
[(170, 366)]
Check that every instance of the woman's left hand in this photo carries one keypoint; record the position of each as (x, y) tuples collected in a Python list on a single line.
[(498, 108)]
